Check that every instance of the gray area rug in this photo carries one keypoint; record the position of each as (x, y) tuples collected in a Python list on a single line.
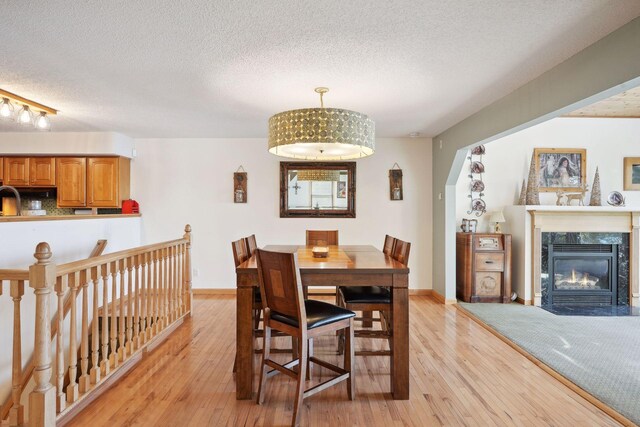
[(599, 354)]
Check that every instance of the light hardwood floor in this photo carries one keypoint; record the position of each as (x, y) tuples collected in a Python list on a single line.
[(461, 375)]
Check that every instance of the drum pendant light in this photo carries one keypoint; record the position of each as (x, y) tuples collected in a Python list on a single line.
[(321, 133)]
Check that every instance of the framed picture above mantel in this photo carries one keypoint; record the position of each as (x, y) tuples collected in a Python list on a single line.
[(561, 169)]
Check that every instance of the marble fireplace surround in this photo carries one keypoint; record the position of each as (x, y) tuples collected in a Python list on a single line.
[(527, 223)]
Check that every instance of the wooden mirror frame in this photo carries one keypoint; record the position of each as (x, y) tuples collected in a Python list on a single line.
[(285, 212)]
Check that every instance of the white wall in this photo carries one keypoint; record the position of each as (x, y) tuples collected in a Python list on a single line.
[(179, 181), (83, 143), (507, 160)]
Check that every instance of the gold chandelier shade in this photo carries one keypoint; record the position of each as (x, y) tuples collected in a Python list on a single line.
[(321, 134)]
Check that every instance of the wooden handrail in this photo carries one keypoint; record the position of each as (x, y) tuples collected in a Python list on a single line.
[(24, 275), (84, 264), (145, 292), (14, 274), (99, 248)]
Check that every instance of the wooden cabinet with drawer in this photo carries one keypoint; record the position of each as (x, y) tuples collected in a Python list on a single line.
[(483, 267)]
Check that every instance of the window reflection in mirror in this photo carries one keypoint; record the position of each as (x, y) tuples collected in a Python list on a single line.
[(318, 189)]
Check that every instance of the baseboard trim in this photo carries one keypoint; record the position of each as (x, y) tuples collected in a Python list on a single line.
[(317, 290), (523, 301), (421, 292), (441, 299), (210, 291), (555, 374)]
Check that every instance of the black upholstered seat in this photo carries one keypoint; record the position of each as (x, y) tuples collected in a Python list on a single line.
[(365, 294), (319, 313)]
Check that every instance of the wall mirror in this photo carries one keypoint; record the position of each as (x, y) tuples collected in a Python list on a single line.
[(316, 189)]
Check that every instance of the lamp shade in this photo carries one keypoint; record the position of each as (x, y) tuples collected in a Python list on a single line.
[(321, 134), (497, 217)]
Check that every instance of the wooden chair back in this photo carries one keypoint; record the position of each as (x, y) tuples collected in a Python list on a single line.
[(322, 237), (280, 284), (389, 243), (251, 245), (401, 251), (240, 253)]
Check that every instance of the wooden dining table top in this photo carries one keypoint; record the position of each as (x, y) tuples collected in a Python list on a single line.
[(354, 258)]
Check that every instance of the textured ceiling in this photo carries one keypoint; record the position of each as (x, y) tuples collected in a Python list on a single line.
[(189, 68), (625, 104)]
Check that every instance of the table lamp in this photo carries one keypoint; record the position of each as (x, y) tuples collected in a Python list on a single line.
[(496, 218)]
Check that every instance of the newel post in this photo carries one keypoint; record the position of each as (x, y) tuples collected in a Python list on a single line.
[(187, 269), (42, 400)]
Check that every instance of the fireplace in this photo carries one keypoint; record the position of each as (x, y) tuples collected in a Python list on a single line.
[(584, 269), (583, 274)]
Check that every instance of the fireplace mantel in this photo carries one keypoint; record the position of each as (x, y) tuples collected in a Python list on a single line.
[(527, 223)]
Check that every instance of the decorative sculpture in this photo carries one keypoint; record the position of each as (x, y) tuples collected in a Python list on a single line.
[(596, 196), (533, 197), (523, 194), (564, 198)]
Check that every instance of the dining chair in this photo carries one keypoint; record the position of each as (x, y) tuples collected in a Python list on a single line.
[(286, 310), (322, 237), (251, 244), (243, 249), (389, 243), (374, 298)]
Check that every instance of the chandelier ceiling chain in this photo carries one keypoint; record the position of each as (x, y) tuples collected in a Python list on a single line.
[(321, 133)]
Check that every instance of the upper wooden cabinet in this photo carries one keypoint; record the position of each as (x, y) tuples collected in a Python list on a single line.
[(16, 171), (42, 171), (107, 181), (71, 174), (29, 171)]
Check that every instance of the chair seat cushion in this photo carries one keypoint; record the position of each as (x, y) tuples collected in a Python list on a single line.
[(319, 313), (365, 294)]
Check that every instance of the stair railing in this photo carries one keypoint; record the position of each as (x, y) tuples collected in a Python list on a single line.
[(129, 300)]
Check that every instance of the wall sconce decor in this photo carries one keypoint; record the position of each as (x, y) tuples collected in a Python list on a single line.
[(240, 186), (395, 182)]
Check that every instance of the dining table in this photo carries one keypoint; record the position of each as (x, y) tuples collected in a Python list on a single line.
[(345, 265)]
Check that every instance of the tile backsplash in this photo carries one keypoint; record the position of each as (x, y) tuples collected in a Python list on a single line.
[(48, 204)]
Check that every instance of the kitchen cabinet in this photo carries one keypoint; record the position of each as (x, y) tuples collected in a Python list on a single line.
[(71, 175), (29, 171), (16, 171), (483, 267), (42, 171), (107, 181), (1, 168)]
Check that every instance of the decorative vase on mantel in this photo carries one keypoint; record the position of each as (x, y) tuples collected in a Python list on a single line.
[(596, 197), (533, 196)]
